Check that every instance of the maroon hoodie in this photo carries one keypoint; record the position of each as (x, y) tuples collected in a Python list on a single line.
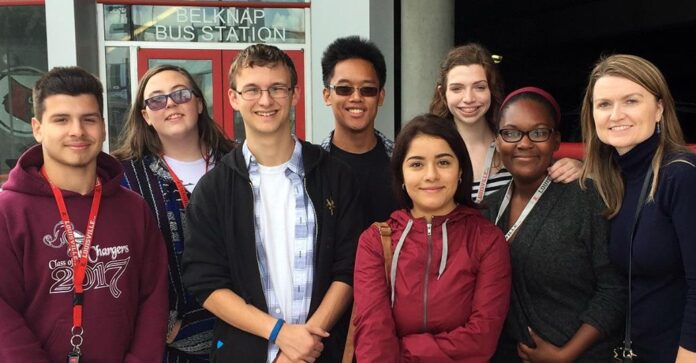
[(125, 301), (451, 290)]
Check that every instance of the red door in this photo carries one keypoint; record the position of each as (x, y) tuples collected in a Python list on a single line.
[(209, 69)]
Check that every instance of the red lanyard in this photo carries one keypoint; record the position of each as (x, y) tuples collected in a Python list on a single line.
[(79, 258), (179, 185)]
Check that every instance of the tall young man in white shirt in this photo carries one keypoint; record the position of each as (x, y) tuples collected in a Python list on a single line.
[(273, 229)]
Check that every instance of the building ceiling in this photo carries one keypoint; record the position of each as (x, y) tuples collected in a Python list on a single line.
[(554, 44)]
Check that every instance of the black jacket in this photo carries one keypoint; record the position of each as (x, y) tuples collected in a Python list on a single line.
[(561, 274), (220, 250)]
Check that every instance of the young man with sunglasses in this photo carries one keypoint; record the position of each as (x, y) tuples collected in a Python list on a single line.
[(354, 73), (82, 262), (272, 230)]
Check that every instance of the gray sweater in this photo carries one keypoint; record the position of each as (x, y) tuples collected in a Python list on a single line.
[(561, 274)]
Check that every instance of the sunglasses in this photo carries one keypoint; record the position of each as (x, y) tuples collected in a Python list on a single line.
[(156, 103), (365, 91), (536, 135)]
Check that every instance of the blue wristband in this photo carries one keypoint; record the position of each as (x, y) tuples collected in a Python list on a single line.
[(276, 330)]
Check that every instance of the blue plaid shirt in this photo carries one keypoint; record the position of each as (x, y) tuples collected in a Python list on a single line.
[(305, 238)]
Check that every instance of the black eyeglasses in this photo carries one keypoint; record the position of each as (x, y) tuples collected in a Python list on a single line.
[(253, 94), (365, 91), (156, 103), (537, 135)]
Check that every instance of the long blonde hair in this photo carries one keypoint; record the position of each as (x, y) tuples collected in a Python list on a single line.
[(599, 164)]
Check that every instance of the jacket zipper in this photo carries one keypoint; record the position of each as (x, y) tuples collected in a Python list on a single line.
[(316, 219), (316, 233), (425, 283), (253, 212)]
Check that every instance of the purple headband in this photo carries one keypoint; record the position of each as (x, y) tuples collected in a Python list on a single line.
[(536, 90)]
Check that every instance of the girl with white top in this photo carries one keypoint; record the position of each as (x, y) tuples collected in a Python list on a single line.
[(168, 143)]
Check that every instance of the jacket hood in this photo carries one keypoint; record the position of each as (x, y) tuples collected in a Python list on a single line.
[(400, 218), (26, 178), (403, 220)]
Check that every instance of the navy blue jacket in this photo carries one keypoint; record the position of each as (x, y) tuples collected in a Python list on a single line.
[(664, 252)]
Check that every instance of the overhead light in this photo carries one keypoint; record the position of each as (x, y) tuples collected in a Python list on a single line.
[(497, 58)]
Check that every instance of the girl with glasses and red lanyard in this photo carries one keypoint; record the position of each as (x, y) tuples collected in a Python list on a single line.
[(169, 141)]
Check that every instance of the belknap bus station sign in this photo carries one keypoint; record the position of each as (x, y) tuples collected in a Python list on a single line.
[(208, 24)]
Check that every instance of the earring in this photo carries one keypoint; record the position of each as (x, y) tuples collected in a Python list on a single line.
[(657, 128), (460, 179), (403, 186)]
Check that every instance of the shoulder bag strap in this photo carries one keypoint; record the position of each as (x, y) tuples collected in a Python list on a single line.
[(385, 233), (627, 352)]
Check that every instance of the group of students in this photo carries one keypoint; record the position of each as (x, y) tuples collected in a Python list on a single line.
[(591, 271), (491, 250)]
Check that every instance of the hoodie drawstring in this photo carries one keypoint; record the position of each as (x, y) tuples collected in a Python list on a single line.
[(395, 258), (397, 251), (443, 259)]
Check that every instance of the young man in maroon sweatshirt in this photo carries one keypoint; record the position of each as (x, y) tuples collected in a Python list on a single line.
[(64, 218)]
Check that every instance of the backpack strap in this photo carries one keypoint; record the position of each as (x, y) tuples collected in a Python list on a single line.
[(385, 232)]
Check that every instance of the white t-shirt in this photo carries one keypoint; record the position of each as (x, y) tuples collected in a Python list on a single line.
[(277, 219), (189, 172)]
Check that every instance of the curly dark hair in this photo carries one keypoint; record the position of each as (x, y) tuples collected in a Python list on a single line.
[(466, 55), (352, 47)]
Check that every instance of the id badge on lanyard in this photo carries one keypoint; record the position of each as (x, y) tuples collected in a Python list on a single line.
[(79, 260), (488, 166), (525, 212), (73, 357)]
